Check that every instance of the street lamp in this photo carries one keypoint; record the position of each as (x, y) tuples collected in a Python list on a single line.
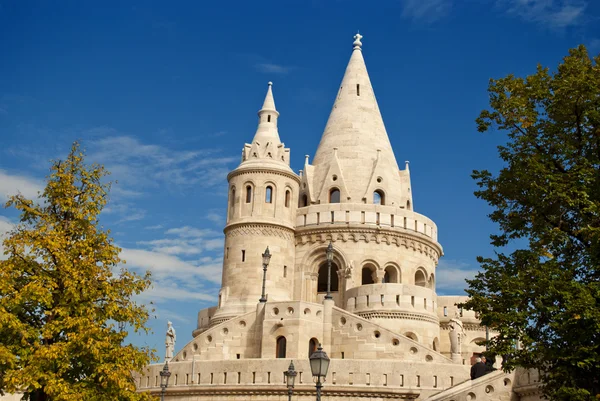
[(164, 380), (266, 258), (329, 260), (319, 364), (290, 376)]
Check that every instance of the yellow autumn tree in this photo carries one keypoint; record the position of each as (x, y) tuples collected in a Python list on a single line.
[(65, 304)]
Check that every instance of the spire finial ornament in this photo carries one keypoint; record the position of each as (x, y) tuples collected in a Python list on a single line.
[(357, 43)]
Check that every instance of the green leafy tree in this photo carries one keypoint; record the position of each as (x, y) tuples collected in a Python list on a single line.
[(63, 303), (543, 298)]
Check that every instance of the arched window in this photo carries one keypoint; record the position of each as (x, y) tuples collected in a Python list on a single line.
[(431, 282), (334, 195), (322, 279), (367, 275), (269, 194), (391, 275), (304, 200), (411, 335), (436, 344), (248, 193), (281, 346), (287, 198), (312, 346), (378, 197), (407, 205), (232, 202), (420, 279)]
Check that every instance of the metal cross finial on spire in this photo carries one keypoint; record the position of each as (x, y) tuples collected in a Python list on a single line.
[(357, 43)]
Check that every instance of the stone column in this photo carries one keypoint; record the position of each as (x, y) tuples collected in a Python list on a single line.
[(327, 324)]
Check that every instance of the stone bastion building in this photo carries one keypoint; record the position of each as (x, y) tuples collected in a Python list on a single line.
[(387, 332)]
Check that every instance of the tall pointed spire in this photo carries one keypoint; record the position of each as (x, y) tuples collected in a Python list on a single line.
[(267, 119), (355, 127), (266, 146)]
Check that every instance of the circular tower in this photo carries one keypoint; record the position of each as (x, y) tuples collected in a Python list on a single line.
[(262, 203), (355, 196)]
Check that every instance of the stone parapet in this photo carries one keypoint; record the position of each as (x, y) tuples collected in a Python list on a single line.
[(254, 379), (389, 217)]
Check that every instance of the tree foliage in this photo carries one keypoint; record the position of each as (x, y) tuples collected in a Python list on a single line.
[(545, 295), (64, 304)]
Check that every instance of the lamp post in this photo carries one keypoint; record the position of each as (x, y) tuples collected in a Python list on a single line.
[(266, 258), (164, 380), (319, 364), (329, 259), (290, 376)]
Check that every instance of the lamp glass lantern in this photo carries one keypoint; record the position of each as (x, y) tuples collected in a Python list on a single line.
[(319, 363), (290, 376), (164, 376), (266, 257), (330, 252)]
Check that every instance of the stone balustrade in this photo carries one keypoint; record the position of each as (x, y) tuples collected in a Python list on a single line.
[(390, 217), (391, 297), (344, 376)]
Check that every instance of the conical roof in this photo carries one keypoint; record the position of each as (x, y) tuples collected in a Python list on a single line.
[(266, 148), (355, 140)]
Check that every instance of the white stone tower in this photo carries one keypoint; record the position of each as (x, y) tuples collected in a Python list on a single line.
[(263, 198), (355, 196)]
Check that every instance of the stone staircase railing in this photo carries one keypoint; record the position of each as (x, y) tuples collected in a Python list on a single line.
[(495, 386)]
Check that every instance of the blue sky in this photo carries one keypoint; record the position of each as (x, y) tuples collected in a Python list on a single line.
[(165, 94)]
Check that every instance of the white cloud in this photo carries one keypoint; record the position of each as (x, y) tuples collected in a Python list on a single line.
[(13, 184), (215, 217), (550, 13), (137, 165), (427, 11), (187, 231), (271, 68), (165, 265), (451, 275), (154, 227), (5, 227)]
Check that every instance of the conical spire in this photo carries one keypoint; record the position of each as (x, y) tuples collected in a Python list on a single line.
[(266, 147), (269, 103), (267, 120), (355, 128)]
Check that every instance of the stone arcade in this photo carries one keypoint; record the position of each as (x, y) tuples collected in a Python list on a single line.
[(388, 333)]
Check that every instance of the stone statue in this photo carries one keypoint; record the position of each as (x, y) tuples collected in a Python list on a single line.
[(457, 333), (170, 341)]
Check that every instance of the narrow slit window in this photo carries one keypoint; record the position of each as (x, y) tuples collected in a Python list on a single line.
[(248, 194), (287, 198), (357, 89), (332, 217), (268, 118), (243, 255), (284, 271), (269, 195)]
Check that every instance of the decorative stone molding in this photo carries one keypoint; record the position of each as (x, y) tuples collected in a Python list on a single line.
[(324, 235), (396, 315), (266, 230), (259, 390), (256, 169)]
